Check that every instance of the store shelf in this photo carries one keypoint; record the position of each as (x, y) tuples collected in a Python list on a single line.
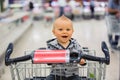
[(12, 28)]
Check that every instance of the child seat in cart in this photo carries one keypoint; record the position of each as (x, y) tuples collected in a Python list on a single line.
[(37, 69)]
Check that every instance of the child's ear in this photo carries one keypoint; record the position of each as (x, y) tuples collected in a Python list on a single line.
[(53, 32), (73, 30)]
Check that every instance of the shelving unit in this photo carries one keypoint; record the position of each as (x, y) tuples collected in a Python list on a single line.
[(12, 28)]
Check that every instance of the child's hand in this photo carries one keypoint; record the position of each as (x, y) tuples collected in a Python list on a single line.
[(118, 14), (82, 62)]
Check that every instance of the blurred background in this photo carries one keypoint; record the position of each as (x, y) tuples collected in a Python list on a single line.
[(28, 24)]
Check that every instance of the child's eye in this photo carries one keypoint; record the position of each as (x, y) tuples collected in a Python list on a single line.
[(68, 29), (60, 29)]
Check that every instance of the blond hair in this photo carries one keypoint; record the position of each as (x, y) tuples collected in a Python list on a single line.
[(63, 20)]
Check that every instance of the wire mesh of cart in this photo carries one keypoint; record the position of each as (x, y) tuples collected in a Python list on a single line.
[(113, 25), (38, 69)]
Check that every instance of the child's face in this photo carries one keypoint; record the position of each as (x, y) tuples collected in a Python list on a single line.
[(63, 32)]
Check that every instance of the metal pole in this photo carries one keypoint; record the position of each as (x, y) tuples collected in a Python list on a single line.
[(119, 43), (1, 5), (119, 62)]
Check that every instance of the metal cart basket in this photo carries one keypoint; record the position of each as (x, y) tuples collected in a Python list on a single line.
[(29, 71)]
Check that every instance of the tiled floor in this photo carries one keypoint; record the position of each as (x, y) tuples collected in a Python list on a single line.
[(89, 33)]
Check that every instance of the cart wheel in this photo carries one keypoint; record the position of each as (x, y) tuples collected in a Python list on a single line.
[(114, 42)]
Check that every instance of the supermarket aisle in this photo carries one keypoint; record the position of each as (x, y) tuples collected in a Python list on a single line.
[(89, 33)]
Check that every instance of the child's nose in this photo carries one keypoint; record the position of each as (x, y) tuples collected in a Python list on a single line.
[(64, 31)]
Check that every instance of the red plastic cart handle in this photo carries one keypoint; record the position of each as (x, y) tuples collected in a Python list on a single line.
[(51, 56)]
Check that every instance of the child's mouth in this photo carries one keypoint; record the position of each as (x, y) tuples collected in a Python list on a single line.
[(64, 36)]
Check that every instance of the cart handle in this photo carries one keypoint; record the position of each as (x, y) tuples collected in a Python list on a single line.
[(9, 51), (99, 59), (105, 50)]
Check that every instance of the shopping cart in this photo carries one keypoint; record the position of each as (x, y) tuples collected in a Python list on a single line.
[(49, 16), (113, 29), (37, 69)]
